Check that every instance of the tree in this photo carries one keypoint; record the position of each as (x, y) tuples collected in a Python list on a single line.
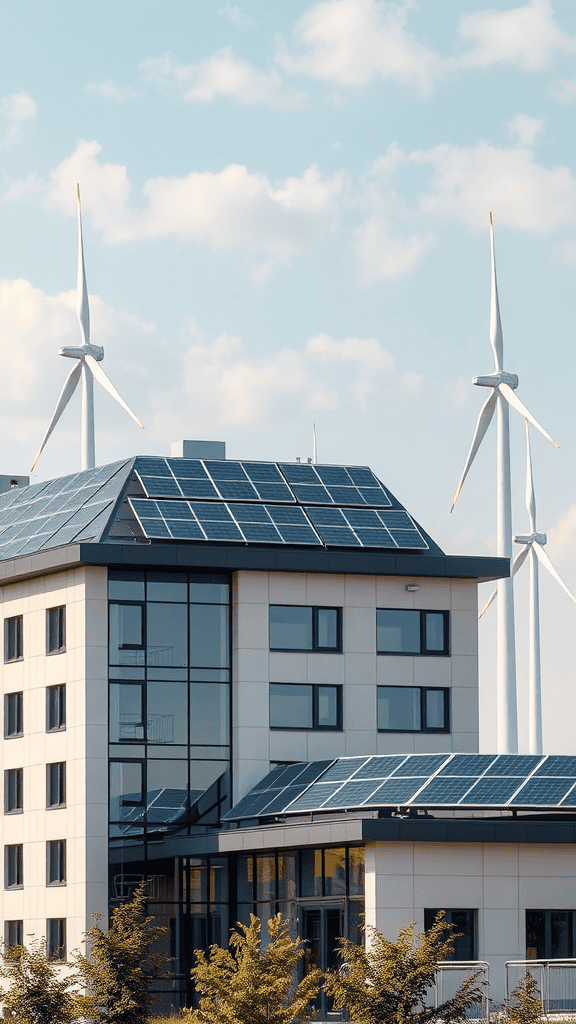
[(527, 1006), (250, 985), (120, 964), (389, 981), (37, 993)]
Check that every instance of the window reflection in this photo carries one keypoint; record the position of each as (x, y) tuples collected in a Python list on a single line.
[(335, 872), (126, 634), (209, 713), (125, 789), (167, 712), (209, 639), (126, 712), (166, 633)]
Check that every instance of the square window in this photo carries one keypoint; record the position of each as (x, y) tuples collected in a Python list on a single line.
[(13, 790), (13, 630), (56, 707), (13, 866), (56, 938), (56, 630), (13, 933), (56, 862), (466, 923), (13, 721), (303, 706), (56, 784), (550, 934)]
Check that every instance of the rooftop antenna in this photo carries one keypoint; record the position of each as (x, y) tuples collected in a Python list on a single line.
[(503, 385), (534, 547), (86, 368), (314, 446)]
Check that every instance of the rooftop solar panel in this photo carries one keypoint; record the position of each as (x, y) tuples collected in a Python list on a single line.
[(543, 792), (557, 764), (515, 764), (493, 791)]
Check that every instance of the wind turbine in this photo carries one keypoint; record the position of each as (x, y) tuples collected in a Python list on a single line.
[(534, 547), (503, 385), (86, 368)]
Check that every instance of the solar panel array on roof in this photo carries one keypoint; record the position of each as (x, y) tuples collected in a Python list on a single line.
[(414, 780)]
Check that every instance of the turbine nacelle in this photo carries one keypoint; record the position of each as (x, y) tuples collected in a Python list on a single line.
[(81, 351), (531, 538), (494, 380)]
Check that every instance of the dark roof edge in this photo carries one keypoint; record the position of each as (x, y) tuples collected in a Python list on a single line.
[(460, 830), (262, 559)]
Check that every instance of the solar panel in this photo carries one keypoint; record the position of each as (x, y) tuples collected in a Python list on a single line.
[(468, 764), (419, 765), (343, 768), (380, 767), (557, 764), (543, 792), (515, 764), (313, 797), (493, 791), (444, 790), (186, 469), (351, 794)]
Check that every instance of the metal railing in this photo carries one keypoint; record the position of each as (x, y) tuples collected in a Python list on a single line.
[(449, 976), (556, 980)]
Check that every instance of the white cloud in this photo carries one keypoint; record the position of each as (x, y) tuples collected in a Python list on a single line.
[(562, 539), (384, 256), (222, 75), (354, 42), (14, 111), (526, 37), (366, 354), (233, 12), (564, 90), (526, 128), (109, 91), (567, 250)]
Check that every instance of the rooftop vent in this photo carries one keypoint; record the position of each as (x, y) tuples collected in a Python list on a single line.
[(198, 450), (7, 483)]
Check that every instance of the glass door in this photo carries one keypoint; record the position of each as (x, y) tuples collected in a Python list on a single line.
[(321, 927)]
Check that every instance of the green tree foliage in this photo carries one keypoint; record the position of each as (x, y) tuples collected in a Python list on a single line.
[(389, 981), (524, 1005), (119, 965), (251, 985), (37, 994)]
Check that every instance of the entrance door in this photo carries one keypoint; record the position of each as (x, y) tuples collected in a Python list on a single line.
[(321, 927)]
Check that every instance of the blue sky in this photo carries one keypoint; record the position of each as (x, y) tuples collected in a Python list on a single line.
[(286, 222)]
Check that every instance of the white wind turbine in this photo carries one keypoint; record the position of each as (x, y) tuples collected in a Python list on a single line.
[(503, 385), (534, 547), (87, 368)]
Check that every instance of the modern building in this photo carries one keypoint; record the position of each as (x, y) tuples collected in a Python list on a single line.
[(256, 684)]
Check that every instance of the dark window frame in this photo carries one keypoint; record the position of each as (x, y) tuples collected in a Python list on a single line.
[(14, 866), (315, 648), (55, 939), (13, 638), (59, 691), (423, 652), (315, 727), (547, 951), (11, 927), (13, 790), (131, 604), (56, 629), (56, 862), (430, 914), (423, 691), (58, 769), (14, 713)]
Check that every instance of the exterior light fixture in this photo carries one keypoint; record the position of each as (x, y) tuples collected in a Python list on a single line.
[(412, 587)]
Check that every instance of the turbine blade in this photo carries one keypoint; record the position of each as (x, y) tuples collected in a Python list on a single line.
[(108, 386), (512, 398), (548, 565), (82, 308), (65, 396), (486, 414), (495, 324), (518, 561), (530, 497)]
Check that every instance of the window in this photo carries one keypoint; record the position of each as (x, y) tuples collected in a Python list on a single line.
[(13, 722), (466, 923), (13, 873), (56, 784), (404, 631), (294, 628), (56, 708), (13, 790), (296, 706), (550, 934), (413, 709), (56, 630), (126, 634), (13, 649), (56, 862), (13, 933), (56, 938)]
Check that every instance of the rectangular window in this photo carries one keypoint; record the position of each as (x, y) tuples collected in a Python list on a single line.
[(296, 706), (13, 933), (56, 784), (550, 934), (13, 790), (126, 634), (126, 712), (407, 631), (295, 628), (466, 923), (56, 938), (56, 708), (13, 721), (126, 789), (13, 629), (13, 870), (413, 709), (56, 630), (56, 862)]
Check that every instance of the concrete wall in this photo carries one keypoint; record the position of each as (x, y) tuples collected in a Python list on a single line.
[(359, 669), (82, 745), (499, 880)]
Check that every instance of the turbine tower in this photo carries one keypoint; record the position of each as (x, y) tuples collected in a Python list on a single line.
[(503, 385), (86, 368), (534, 547)]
